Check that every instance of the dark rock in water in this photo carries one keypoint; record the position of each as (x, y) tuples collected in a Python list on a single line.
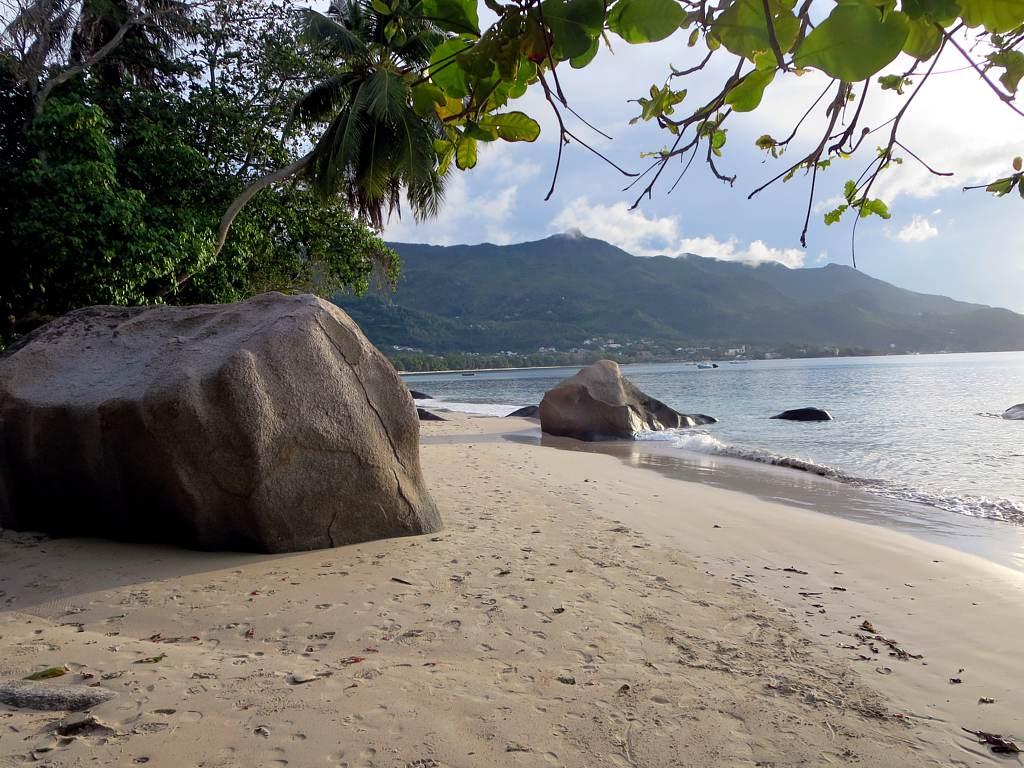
[(526, 412), (426, 415), (599, 403), (51, 697), (700, 418), (419, 395), (805, 414), (271, 425), (1014, 412)]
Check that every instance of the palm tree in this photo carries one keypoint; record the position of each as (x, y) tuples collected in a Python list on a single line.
[(144, 50), (374, 145), (48, 42)]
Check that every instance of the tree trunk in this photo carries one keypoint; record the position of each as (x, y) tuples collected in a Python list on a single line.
[(250, 191)]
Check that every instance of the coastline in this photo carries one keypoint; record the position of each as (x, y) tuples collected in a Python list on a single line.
[(689, 361), (574, 612), (487, 370), (962, 612)]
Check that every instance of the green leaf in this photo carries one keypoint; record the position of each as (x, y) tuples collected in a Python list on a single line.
[(854, 42), (445, 70), (994, 15), (874, 207), (937, 11), (746, 95), (381, 7), (894, 83), (579, 62), (465, 153), (662, 102), (694, 37), (743, 27), (1002, 186), (850, 190), (835, 214), (1013, 63), (48, 674), (426, 97), (513, 126), (645, 21), (923, 39), (765, 142), (445, 152), (573, 24), (479, 131), (453, 15)]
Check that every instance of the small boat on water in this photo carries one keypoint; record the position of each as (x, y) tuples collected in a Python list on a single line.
[(706, 365), (469, 374)]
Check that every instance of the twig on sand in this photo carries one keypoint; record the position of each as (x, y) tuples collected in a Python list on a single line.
[(995, 742)]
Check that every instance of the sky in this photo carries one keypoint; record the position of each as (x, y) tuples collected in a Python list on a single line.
[(940, 239)]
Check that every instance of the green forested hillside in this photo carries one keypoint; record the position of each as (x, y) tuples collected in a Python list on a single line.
[(563, 290)]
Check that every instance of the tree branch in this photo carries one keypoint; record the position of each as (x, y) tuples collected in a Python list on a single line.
[(71, 72), (249, 192), (773, 38)]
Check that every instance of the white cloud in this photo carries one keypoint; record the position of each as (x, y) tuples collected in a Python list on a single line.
[(918, 230), (468, 214), (828, 204), (641, 235), (632, 231), (732, 250)]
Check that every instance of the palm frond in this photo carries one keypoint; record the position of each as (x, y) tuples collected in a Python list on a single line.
[(387, 95), (323, 31), (326, 98)]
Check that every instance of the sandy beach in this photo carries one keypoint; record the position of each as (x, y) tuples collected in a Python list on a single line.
[(575, 611)]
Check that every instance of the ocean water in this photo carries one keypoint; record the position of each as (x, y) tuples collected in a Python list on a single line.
[(921, 429)]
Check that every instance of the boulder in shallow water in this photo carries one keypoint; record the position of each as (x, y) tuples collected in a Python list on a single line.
[(270, 425), (419, 395), (526, 412), (599, 403), (425, 415), (804, 414), (1014, 412)]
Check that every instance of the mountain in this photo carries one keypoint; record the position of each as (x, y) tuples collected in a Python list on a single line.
[(566, 289)]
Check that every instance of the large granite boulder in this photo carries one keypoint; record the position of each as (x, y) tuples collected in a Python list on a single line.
[(1014, 412), (599, 403), (526, 412), (270, 425), (804, 414), (424, 415)]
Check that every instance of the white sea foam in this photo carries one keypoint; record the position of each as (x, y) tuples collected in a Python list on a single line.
[(699, 441), (477, 409)]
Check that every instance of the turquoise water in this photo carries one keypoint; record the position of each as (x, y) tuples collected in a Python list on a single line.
[(911, 428)]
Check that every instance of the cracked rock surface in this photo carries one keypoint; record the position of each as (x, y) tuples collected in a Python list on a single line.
[(270, 425)]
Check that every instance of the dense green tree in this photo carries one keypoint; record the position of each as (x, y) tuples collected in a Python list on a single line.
[(115, 182)]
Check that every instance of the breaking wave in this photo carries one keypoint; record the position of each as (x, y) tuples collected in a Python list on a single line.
[(991, 508)]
